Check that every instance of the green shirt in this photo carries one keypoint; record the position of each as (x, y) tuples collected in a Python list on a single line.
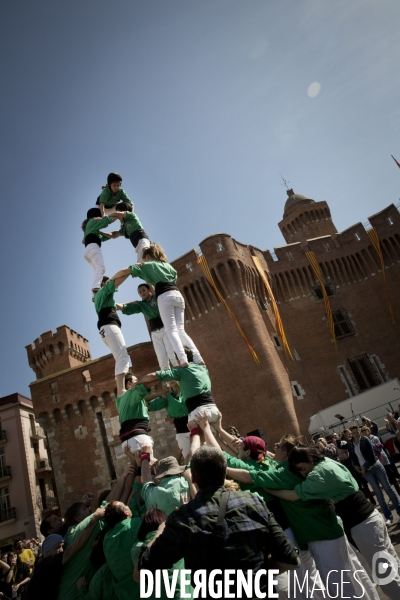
[(132, 404), (328, 479), (311, 521), (79, 564), (101, 587), (154, 272), (94, 226), (117, 549), (178, 566), (167, 494), (104, 298), (176, 407), (193, 380), (138, 510), (109, 199), (130, 224), (250, 465), (149, 309)]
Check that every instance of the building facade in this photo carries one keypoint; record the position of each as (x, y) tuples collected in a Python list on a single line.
[(27, 490), (74, 396)]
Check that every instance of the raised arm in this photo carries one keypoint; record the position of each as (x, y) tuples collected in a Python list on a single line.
[(120, 277), (227, 438), (84, 536), (149, 378), (284, 494), (209, 438)]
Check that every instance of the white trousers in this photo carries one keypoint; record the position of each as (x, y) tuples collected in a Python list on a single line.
[(163, 349), (336, 562), (172, 308), (93, 255), (290, 584), (113, 338), (211, 411), (137, 442), (142, 244), (183, 440), (371, 536)]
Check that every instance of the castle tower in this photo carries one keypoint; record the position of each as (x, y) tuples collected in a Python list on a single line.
[(305, 219), (250, 396), (54, 352)]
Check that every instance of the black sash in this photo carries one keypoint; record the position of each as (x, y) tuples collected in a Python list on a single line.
[(199, 400), (156, 323), (133, 427), (108, 316), (181, 424), (138, 235), (164, 286), (92, 238)]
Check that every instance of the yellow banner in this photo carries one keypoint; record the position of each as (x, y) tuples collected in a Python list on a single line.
[(315, 267), (373, 235), (206, 270), (279, 324)]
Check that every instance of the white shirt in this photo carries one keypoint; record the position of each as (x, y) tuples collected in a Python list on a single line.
[(360, 457)]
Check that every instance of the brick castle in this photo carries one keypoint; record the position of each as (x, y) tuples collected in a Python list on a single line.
[(74, 396)]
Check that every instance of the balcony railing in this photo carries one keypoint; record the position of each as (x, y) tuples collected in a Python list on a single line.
[(42, 464), (3, 436), (6, 514), (38, 432), (5, 472)]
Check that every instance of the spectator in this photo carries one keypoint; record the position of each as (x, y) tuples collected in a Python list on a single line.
[(46, 577), (379, 451), (371, 424), (166, 491), (249, 536), (19, 575), (5, 576), (25, 555), (327, 449), (342, 447), (366, 463), (393, 426)]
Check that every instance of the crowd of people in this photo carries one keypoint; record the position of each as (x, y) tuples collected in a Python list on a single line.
[(226, 502)]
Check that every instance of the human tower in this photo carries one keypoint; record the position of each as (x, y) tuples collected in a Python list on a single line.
[(163, 305)]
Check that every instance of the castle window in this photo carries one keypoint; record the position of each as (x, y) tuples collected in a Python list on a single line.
[(289, 255), (297, 390), (390, 221), (343, 325), (277, 341), (327, 247), (262, 304), (357, 236), (329, 288), (86, 376), (219, 246), (189, 267), (363, 372), (54, 388)]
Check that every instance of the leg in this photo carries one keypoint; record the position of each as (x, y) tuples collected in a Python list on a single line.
[(331, 558), (381, 476), (166, 306), (372, 480), (170, 352), (183, 336), (142, 244), (159, 348), (371, 536), (94, 256), (115, 341), (305, 575), (183, 440)]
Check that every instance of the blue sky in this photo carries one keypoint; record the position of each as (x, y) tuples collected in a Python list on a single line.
[(200, 105)]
